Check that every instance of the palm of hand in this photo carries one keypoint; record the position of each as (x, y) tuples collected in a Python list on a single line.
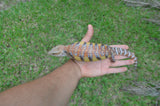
[(92, 69), (98, 68)]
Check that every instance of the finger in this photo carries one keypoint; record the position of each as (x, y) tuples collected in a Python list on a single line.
[(121, 46), (122, 63), (116, 70), (89, 34), (120, 57)]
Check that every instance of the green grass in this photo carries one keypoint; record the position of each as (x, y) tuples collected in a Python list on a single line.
[(28, 30)]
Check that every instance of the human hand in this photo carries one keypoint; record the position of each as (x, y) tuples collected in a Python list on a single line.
[(102, 67)]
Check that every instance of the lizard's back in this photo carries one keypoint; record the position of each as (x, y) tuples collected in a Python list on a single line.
[(86, 51)]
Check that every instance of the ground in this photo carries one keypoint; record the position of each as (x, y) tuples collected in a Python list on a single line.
[(29, 29)]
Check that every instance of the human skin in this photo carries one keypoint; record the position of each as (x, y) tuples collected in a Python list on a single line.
[(56, 88)]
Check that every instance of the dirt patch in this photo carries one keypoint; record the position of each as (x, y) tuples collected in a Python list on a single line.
[(5, 4), (143, 3), (147, 4), (151, 88)]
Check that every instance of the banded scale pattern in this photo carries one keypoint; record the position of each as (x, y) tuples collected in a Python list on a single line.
[(86, 51)]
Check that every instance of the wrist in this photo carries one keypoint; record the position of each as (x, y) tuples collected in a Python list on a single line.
[(75, 68)]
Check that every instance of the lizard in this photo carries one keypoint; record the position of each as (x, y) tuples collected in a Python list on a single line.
[(87, 52)]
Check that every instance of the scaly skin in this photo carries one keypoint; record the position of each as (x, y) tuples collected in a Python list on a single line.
[(86, 51)]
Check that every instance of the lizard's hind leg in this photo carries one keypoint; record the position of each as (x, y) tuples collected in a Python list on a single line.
[(112, 57)]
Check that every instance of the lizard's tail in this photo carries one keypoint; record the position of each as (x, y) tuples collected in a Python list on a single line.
[(124, 52)]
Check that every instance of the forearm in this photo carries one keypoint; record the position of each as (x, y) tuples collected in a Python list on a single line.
[(52, 89)]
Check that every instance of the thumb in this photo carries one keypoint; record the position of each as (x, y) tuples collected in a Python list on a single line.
[(89, 34)]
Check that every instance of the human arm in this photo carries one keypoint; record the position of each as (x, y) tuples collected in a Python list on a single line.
[(57, 87), (53, 89)]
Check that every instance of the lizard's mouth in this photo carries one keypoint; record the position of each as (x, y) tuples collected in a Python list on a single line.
[(53, 53), (56, 51)]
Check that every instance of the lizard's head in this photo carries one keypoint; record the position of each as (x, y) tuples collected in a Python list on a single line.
[(57, 51)]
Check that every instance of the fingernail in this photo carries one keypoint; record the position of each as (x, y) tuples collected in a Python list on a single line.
[(127, 47), (125, 68), (89, 25)]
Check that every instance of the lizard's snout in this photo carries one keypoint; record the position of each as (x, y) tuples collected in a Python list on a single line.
[(53, 52)]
